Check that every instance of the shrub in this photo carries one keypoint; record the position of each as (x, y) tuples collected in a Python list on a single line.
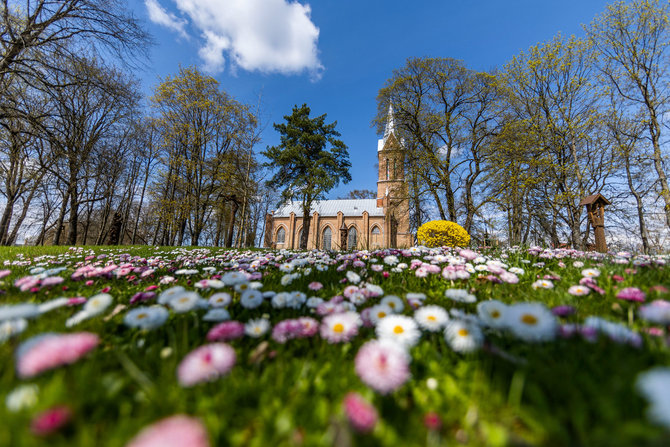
[(438, 233)]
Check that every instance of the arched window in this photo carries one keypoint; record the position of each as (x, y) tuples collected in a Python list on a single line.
[(376, 230), (281, 235), (327, 236), (298, 239), (394, 174), (352, 239), (387, 169)]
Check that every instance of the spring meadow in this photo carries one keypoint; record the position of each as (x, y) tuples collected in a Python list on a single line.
[(294, 223)]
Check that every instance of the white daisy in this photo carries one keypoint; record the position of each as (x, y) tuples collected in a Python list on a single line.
[(167, 295), (590, 273), (542, 284), (22, 397), (10, 328), (463, 336), (314, 302), (379, 311), (492, 313), (50, 305), (216, 314), (399, 328), (97, 304), (395, 303), (531, 321), (251, 299), (23, 310), (353, 277), (220, 299), (257, 327), (146, 317), (234, 278), (280, 300), (184, 302), (654, 385), (460, 295), (286, 267), (579, 290), (431, 318)]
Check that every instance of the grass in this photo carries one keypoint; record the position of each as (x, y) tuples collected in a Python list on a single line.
[(566, 392)]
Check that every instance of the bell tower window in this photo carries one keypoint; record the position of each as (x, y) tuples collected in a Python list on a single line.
[(387, 169)]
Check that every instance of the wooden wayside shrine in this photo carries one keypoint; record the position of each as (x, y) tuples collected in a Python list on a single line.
[(595, 210)]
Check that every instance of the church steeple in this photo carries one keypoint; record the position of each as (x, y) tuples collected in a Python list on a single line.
[(390, 123)]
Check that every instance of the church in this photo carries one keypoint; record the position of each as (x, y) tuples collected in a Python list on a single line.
[(360, 224)]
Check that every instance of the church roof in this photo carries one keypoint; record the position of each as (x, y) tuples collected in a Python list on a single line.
[(350, 207)]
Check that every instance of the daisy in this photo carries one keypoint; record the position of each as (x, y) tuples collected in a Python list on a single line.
[(216, 314), (590, 273), (341, 327), (22, 397), (146, 318), (251, 299), (394, 302), (654, 385), (280, 299), (228, 330), (400, 329), (174, 431), (167, 295), (314, 302), (460, 295), (50, 305), (382, 365), (579, 290), (15, 311), (463, 336), (234, 278), (431, 318), (492, 313), (361, 414), (48, 351), (10, 328), (631, 294), (220, 299), (97, 304), (531, 322), (542, 284), (286, 267), (206, 364), (379, 311), (257, 327), (657, 312), (353, 277), (184, 302)]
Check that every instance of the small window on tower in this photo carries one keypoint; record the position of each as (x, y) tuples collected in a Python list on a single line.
[(394, 173), (387, 169)]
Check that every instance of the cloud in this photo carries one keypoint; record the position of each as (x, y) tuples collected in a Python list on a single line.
[(270, 36), (160, 16)]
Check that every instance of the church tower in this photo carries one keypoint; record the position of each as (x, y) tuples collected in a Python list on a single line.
[(392, 188)]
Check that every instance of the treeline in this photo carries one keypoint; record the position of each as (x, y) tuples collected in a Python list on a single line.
[(511, 152), (83, 160)]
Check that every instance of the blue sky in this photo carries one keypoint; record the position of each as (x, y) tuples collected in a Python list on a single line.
[(335, 55)]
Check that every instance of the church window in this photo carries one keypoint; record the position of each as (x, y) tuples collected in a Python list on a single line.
[(387, 169), (376, 230), (281, 235), (394, 172), (352, 239), (327, 236)]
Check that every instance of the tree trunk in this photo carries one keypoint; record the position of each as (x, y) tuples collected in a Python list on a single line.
[(5, 220), (231, 224), (74, 215), (61, 219)]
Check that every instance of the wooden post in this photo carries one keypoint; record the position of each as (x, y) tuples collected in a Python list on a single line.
[(595, 210)]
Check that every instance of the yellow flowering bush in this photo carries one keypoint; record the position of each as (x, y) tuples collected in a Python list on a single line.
[(438, 233)]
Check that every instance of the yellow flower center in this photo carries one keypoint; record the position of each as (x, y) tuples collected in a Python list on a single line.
[(392, 305), (338, 327), (463, 332), (495, 314), (398, 329), (183, 300), (381, 314), (529, 319), (141, 316), (431, 318)]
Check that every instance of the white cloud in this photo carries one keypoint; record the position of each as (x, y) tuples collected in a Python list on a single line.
[(255, 35), (160, 16)]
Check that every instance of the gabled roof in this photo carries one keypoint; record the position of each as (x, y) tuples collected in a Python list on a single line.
[(590, 200), (349, 207)]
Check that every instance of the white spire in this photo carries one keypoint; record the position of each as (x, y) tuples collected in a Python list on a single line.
[(390, 123)]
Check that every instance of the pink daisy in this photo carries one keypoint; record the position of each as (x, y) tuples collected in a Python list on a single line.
[(175, 431), (342, 327), (315, 286), (631, 294), (382, 365), (50, 421), (205, 364), (361, 414), (228, 330), (49, 351)]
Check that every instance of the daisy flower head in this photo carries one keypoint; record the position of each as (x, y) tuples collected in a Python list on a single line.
[(395, 303), (228, 330), (22, 397), (654, 385), (216, 314), (251, 299), (286, 267), (531, 322), (340, 327), (361, 414), (10, 328), (590, 273), (400, 329), (220, 299), (97, 304), (257, 327), (206, 364), (242, 287), (631, 294), (174, 431), (16, 311), (48, 351), (184, 302), (431, 318), (168, 294), (579, 290), (460, 295), (382, 365), (463, 336), (379, 311), (391, 260), (542, 284), (146, 318), (492, 313), (657, 312), (353, 277)]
